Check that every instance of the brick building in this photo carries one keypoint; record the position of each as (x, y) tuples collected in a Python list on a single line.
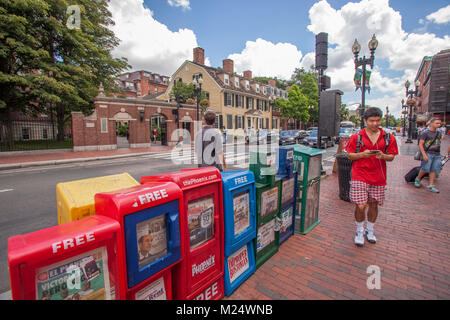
[(434, 77), (98, 131), (141, 83)]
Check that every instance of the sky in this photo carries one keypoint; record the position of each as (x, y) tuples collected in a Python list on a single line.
[(272, 38)]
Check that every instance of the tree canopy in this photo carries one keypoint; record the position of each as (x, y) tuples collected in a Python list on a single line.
[(46, 65)]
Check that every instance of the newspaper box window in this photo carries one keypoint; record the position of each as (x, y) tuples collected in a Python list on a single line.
[(74, 261), (200, 274), (150, 218), (240, 227)]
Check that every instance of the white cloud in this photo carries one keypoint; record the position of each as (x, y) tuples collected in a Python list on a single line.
[(441, 16), (403, 51), (184, 4), (265, 58), (147, 43)]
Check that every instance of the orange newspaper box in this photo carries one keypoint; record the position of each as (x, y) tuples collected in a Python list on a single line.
[(73, 261)]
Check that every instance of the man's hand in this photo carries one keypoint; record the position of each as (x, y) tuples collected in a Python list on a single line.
[(367, 154), (425, 158)]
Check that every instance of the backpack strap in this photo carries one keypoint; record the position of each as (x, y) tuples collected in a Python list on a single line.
[(358, 143), (387, 139)]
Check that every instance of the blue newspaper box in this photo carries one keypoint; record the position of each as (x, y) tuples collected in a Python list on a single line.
[(239, 208), (285, 161), (288, 178)]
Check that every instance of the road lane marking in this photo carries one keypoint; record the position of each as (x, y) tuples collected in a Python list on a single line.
[(6, 190)]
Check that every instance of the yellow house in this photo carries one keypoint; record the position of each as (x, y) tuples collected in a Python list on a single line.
[(240, 103)]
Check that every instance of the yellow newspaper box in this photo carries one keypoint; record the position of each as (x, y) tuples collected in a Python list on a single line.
[(75, 199)]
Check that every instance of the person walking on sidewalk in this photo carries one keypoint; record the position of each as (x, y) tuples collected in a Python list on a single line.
[(431, 163), (209, 146), (369, 149)]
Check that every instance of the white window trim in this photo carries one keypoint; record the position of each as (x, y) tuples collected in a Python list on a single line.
[(226, 78), (236, 83), (247, 85)]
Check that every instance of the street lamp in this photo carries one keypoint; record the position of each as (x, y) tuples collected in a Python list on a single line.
[(410, 102), (404, 112), (356, 48), (197, 82)]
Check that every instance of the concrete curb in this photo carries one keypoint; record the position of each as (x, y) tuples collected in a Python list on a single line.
[(65, 161)]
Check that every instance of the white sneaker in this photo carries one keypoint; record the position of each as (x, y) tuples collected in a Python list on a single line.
[(359, 238), (370, 236)]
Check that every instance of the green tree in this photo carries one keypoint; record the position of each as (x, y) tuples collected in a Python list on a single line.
[(73, 61), (355, 119), (295, 107), (186, 90), (344, 112), (20, 55)]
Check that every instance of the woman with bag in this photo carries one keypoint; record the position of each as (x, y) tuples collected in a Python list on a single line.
[(431, 157)]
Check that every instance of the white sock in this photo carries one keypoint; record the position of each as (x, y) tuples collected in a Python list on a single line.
[(359, 226), (370, 225)]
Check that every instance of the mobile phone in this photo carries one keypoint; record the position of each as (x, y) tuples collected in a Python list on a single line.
[(375, 151)]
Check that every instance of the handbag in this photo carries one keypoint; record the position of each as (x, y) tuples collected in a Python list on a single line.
[(418, 156)]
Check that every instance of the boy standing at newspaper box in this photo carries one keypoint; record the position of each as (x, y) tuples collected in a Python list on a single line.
[(369, 149)]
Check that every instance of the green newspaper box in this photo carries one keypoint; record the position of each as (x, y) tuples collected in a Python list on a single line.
[(268, 192), (307, 163)]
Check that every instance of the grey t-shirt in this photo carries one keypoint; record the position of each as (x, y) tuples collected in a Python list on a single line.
[(429, 136), (208, 147)]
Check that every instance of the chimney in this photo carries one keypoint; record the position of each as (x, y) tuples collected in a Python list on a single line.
[(199, 55), (272, 83), (228, 65), (248, 75)]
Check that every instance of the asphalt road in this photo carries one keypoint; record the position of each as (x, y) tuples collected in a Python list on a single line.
[(28, 196)]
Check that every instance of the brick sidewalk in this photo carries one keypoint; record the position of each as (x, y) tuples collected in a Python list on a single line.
[(413, 249)]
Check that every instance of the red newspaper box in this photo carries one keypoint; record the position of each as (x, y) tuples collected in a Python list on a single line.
[(149, 216), (200, 274), (73, 261)]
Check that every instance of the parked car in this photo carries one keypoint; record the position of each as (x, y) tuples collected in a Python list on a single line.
[(311, 140), (260, 137), (345, 133)]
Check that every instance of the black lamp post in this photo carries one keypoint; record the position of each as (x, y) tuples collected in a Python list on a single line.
[(405, 112), (197, 82), (410, 102), (356, 48), (387, 116)]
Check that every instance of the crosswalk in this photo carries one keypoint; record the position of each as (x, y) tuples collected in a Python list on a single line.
[(187, 156)]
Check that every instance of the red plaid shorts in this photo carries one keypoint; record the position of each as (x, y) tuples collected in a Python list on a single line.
[(361, 193)]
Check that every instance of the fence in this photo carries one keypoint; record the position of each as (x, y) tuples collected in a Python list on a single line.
[(33, 134)]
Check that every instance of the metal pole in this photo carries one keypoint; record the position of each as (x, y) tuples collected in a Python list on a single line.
[(363, 95), (410, 125), (319, 140)]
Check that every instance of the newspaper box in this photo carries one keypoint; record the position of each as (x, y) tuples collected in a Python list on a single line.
[(287, 206), (285, 161), (73, 261), (239, 209), (240, 227), (263, 165), (150, 219), (267, 241), (200, 274), (75, 199), (308, 166)]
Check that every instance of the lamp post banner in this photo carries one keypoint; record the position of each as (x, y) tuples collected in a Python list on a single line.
[(358, 79)]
